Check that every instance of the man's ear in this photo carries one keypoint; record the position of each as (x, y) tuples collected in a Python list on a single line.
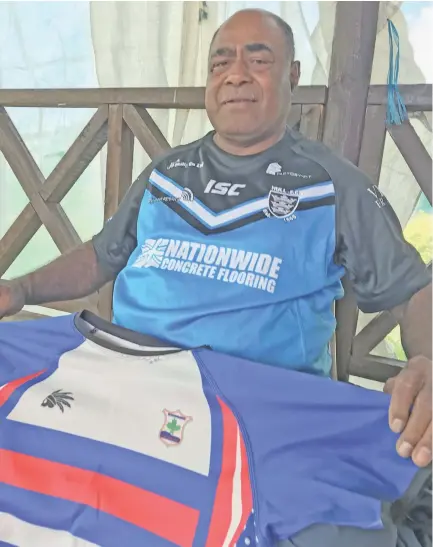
[(295, 74)]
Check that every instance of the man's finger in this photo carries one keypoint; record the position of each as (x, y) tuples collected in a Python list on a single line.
[(389, 385), (422, 455), (406, 387), (417, 425)]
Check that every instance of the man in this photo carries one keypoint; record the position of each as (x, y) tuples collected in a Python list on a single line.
[(239, 240)]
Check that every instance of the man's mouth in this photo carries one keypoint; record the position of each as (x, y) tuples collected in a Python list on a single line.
[(238, 100)]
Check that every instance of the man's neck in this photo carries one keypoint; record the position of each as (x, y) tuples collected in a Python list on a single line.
[(247, 148)]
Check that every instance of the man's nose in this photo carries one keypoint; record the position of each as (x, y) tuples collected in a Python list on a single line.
[(238, 74)]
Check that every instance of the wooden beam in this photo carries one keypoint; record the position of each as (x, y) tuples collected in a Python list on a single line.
[(349, 80), (294, 117), (24, 315), (376, 368), (312, 121), (414, 153), (373, 142), (120, 149), (18, 156), (31, 179), (415, 96), (346, 313), (68, 170), (18, 236), (78, 157), (150, 97), (71, 306), (349, 76), (145, 130), (373, 333)]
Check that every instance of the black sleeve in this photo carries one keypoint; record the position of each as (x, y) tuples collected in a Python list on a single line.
[(385, 270), (118, 238)]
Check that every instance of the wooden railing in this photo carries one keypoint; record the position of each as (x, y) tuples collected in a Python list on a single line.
[(121, 115), (419, 161)]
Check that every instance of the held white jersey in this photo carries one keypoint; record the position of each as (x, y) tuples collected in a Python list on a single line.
[(112, 438)]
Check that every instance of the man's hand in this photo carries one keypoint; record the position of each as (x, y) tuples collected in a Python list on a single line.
[(410, 411), (12, 298)]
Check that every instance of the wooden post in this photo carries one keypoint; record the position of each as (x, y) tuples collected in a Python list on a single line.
[(373, 142), (120, 149), (349, 81), (148, 134)]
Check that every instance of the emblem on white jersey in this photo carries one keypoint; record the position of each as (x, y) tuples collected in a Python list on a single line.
[(152, 254), (172, 432), (58, 398), (273, 169), (282, 203)]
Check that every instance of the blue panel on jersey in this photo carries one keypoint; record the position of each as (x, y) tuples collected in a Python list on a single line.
[(20, 341), (322, 450), (82, 521), (238, 292)]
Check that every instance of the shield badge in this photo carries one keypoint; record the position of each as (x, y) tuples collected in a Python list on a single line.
[(172, 432), (282, 203)]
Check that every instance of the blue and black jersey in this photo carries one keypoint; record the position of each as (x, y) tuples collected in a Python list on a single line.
[(246, 254)]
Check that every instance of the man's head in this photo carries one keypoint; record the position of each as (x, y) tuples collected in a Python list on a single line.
[(251, 76)]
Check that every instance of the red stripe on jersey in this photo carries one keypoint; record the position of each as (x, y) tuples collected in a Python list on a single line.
[(7, 390), (222, 510), (247, 496), (119, 499)]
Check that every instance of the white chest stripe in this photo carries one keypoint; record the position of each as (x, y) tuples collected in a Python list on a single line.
[(23, 534), (213, 220), (208, 217)]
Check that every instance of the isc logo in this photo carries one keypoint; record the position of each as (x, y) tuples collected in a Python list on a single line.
[(223, 188)]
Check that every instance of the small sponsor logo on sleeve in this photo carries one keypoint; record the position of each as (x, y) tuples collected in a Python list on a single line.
[(378, 196)]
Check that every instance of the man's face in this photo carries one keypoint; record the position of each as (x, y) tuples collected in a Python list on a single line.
[(250, 75)]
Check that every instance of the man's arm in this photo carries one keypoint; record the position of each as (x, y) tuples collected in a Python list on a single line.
[(85, 269), (388, 274), (415, 319), (72, 275), (410, 411)]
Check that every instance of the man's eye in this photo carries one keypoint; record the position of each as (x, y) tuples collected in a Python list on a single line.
[(218, 65), (260, 61)]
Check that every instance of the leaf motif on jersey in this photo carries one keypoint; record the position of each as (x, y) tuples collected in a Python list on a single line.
[(151, 255), (58, 398)]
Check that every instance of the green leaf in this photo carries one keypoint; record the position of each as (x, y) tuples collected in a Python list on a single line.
[(172, 426)]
